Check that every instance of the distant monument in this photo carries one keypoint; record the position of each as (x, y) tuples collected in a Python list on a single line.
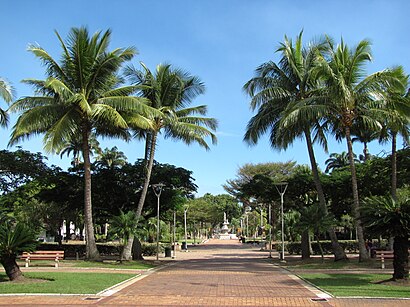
[(224, 235)]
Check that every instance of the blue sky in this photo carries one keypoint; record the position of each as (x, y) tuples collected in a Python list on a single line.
[(220, 41)]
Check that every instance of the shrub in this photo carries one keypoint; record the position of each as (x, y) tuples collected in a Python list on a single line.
[(350, 246)]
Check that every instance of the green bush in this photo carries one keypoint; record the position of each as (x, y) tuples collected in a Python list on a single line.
[(72, 250), (150, 249)]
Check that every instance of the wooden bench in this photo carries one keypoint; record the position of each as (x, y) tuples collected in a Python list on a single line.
[(43, 255), (382, 255)]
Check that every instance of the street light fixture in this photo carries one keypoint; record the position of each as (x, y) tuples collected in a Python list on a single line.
[(281, 188), (157, 190)]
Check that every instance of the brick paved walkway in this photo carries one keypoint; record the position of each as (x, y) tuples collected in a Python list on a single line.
[(219, 273)]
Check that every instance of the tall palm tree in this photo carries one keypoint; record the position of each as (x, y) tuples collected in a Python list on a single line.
[(351, 99), (337, 160), (274, 90), (170, 91), (394, 122), (81, 96), (6, 93), (386, 216)]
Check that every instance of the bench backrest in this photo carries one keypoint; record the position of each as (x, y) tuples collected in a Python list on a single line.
[(59, 254)]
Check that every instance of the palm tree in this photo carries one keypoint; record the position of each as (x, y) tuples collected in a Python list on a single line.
[(6, 93), (273, 91), (170, 91), (338, 161), (74, 147), (14, 239), (364, 136), (394, 122), (351, 99), (80, 97), (111, 158), (386, 216), (316, 221)]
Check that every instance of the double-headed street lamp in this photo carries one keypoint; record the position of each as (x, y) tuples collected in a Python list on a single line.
[(157, 190), (281, 187)]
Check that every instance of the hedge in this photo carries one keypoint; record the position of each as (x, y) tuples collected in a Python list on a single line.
[(105, 249), (349, 246)]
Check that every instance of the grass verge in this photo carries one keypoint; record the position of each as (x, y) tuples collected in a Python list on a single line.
[(329, 263), (365, 285), (62, 282)]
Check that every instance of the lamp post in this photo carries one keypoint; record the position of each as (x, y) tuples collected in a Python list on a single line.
[(173, 235), (247, 224), (186, 239), (157, 190), (281, 188), (270, 230)]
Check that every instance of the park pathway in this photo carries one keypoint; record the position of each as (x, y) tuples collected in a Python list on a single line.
[(217, 273)]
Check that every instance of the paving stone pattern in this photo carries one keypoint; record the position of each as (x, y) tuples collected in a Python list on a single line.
[(218, 273)]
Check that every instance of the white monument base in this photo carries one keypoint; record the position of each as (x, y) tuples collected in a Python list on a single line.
[(224, 236)]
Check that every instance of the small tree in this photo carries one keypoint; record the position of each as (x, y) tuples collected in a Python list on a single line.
[(316, 220), (383, 215), (14, 239), (124, 225)]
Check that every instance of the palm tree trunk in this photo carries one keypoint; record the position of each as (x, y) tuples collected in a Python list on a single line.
[(147, 175), (401, 258), (394, 167), (365, 152), (11, 267), (363, 254), (126, 255), (126, 252), (305, 245), (320, 247), (91, 247), (338, 251)]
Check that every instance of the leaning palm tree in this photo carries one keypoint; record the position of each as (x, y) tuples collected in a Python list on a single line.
[(386, 216), (170, 91), (6, 93), (80, 97), (273, 91), (351, 99)]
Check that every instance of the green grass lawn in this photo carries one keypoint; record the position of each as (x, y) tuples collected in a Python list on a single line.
[(66, 283), (357, 285), (295, 264)]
